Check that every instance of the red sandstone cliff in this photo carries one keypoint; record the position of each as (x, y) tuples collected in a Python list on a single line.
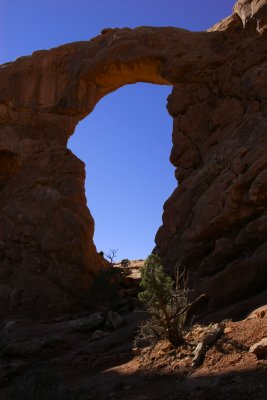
[(214, 223)]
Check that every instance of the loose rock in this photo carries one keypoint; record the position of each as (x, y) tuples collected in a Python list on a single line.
[(260, 349)]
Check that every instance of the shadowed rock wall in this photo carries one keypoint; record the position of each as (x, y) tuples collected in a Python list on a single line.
[(214, 223)]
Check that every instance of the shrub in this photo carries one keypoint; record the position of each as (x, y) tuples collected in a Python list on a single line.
[(167, 302), (105, 287), (125, 263)]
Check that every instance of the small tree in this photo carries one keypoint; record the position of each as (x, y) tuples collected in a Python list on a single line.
[(111, 255), (166, 300), (125, 263)]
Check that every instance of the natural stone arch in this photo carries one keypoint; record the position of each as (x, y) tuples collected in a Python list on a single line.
[(48, 229), (48, 256)]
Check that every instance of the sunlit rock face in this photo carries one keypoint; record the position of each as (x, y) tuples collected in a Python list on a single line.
[(214, 223)]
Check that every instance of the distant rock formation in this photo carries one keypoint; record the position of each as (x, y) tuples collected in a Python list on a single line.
[(215, 222)]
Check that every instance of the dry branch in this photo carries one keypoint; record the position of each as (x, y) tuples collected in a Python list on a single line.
[(207, 342)]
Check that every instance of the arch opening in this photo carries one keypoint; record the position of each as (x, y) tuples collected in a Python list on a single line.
[(125, 144)]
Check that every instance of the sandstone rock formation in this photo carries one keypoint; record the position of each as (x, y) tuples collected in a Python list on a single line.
[(214, 223)]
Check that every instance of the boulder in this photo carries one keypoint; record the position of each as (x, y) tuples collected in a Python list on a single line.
[(87, 323), (115, 319), (98, 334)]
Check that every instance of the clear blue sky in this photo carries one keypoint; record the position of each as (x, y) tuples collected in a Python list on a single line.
[(126, 141)]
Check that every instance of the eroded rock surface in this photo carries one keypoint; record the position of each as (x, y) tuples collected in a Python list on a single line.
[(214, 223)]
